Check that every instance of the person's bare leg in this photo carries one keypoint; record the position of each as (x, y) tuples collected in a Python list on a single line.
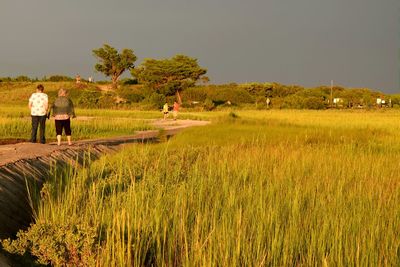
[(69, 140), (58, 140)]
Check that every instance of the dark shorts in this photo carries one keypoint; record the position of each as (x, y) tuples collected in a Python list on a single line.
[(63, 124)]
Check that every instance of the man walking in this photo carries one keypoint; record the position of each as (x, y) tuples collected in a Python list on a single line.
[(38, 104)]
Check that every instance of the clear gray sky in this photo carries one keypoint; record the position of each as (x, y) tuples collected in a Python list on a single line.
[(305, 42)]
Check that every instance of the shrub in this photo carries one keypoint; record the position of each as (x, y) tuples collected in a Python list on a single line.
[(131, 95), (69, 244), (280, 90), (5, 79), (292, 101), (314, 103), (155, 100), (298, 102), (59, 78), (234, 95), (395, 100), (106, 101), (208, 104), (195, 94), (89, 99), (128, 81), (22, 78)]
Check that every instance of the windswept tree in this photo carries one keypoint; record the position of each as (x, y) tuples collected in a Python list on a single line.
[(169, 76), (112, 64)]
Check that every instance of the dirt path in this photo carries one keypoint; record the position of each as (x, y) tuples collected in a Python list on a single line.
[(14, 152)]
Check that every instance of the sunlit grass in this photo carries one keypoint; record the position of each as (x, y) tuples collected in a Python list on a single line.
[(15, 122), (272, 188)]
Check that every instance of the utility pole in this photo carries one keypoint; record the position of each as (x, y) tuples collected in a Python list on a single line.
[(331, 93)]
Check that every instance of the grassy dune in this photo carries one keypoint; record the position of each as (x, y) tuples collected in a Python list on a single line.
[(275, 188)]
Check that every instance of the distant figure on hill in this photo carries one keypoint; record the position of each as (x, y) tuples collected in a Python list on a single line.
[(38, 104), (268, 101), (165, 110), (90, 79), (63, 110), (78, 79), (175, 110)]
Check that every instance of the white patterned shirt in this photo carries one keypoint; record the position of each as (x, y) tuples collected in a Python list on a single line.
[(38, 103)]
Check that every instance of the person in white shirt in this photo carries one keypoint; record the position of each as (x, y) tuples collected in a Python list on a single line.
[(38, 104)]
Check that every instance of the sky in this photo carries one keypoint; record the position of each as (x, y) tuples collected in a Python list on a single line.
[(355, 43)]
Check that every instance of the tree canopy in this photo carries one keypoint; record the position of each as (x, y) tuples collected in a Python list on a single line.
[(169, 76), (112, 64)]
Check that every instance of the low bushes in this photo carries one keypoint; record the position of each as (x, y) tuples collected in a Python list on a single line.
[(70, 244)]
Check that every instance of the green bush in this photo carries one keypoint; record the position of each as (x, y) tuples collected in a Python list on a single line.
[(280, 90), (314, 103), (22, 78), (155, 100), (131, 95), (5, 79), (234, 95), (195, 94), (59, 78), (128, 81), (395, 100), (88, 99), (291, 101), (298, 102), (70, 244), (106, 101), (208, 104)]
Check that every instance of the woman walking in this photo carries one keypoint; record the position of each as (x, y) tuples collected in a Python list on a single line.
[(63, 110), (165, 110), (175, 110)]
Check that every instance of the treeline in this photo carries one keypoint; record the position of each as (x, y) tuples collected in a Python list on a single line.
[(261, 96), (276, 95), (209, 97), (24, 78)]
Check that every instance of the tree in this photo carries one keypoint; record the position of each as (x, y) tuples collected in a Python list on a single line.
[(114, 64), (169, 76)]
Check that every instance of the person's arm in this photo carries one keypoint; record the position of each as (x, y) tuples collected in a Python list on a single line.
[(49, 111), (46, 104), (72, 108), (30, 103)]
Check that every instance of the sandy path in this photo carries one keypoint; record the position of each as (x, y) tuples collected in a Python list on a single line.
[(15, 152)]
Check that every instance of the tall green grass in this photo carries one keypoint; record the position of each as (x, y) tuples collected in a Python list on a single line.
[(257, 189), (12, 128), (15, 122)]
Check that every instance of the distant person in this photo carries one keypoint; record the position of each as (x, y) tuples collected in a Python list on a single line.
[(63, 110), (175, 110), (90, 79), (78, 79), (165, 110), (268, 101), (38, 104)]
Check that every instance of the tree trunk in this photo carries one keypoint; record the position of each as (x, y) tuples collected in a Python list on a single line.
[(114, 80)]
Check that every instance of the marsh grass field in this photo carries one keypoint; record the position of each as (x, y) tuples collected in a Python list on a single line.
[(254, 188), (15, 123)]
